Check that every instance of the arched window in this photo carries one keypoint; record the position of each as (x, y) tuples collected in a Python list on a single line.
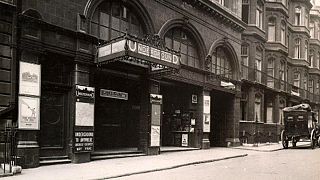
[(283, 33), (272, 30), (269, 114), (270, 73), (179, 39), (297, 17), (297, 49), (312, 29), (221, 63), (113, 19), (257, 108)]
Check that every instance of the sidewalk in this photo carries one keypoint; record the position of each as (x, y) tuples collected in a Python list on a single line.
[(105, 169), (269, 147)]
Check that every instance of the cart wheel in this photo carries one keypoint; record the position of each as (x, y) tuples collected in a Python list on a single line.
[(284, 140), (313, 139)]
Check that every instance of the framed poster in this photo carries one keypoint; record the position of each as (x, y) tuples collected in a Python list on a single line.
[(29, 79), (184, 140), (194, 99), (29, 113), (84, 114), (206, 122), (155, 136)]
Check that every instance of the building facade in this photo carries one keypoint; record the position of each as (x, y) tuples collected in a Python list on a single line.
[(103, 75)]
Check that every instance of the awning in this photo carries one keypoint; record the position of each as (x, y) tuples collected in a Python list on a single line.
[(133, 50)]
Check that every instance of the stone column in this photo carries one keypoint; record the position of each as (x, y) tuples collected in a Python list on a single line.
[(28, 149), (81, 77)]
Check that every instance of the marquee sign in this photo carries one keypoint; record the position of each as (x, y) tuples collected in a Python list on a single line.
[(129, 47)]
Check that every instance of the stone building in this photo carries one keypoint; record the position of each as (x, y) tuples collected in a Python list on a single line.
[(101, 77)]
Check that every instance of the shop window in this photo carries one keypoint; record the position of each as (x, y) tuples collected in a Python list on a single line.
[(245, 11), (297, 49), (180, 40), (297, 17), (114, 19), (269, 112), (257, 108), (272, 30), (221, 63), (270, 73)]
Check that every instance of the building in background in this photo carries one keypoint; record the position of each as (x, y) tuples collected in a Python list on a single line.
[(101, 76)]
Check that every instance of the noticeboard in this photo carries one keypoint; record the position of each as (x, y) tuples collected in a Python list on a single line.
[(83, 141)]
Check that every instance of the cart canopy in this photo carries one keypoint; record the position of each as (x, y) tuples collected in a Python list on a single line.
[(305, 107)]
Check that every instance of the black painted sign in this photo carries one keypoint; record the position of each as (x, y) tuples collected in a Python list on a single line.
[(83, 141), (85, 94)]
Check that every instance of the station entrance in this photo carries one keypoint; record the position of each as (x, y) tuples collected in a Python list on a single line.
[(117, 111), (221, 113)]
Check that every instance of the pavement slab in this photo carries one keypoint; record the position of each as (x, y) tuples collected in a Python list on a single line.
[(111, 168)]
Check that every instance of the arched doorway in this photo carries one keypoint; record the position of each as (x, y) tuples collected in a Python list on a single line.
[(224, 65)]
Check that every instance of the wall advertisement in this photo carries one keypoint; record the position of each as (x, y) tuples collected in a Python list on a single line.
[(206, 113)]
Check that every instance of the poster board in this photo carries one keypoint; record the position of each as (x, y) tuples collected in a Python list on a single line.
[(84, 114), (156, 101), (184, 140), (206, 113), (29, 79), (29, 113), (155, 136)]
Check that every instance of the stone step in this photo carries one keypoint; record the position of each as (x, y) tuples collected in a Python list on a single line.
[(113, 156), (54, 160)]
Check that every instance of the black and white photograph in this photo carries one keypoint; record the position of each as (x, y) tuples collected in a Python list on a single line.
[(160, 89)]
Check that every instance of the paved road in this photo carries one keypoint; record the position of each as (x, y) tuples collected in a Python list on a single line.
[(301, 163)]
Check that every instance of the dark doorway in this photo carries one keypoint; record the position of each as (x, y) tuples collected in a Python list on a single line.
[(53, 124), (117, 120), (221, 112)]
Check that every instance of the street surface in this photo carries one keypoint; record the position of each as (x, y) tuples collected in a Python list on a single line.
[(301, 163)]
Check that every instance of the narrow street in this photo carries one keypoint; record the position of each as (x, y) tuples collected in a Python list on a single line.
[(299, 163)]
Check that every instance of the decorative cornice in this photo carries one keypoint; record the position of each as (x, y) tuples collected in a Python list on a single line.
[(219, 14)]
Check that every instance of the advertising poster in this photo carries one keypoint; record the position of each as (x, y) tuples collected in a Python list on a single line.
[(155, 136), (29, 113), (206, 122), (84, 114), (29, 79), (83, 141), (184, 140)]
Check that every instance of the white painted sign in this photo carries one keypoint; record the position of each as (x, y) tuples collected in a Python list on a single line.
[(29, 79), (29, 113), (114, 94)]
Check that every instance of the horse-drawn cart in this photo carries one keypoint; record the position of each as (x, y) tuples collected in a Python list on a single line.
[(300, 123)]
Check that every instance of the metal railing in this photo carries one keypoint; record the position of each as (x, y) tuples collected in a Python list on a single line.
[(257, 76), (8, 149)]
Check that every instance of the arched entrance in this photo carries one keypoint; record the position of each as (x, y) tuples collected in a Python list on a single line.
[(223, 63)]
